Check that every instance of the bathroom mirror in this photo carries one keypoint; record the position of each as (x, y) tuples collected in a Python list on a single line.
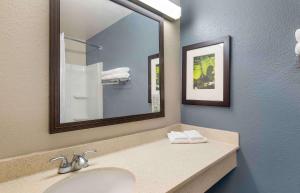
[(106, 64)]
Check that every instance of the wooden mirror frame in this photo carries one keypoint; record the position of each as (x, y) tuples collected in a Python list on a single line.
[(54, 106)]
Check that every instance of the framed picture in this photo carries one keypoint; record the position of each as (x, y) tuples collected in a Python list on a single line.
[(206, 73), (153, 76)]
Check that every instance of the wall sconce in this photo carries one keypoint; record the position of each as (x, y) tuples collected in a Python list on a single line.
[(164, 8), (297, 48)]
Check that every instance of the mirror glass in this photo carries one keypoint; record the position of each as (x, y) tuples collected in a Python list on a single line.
[(109, 61)]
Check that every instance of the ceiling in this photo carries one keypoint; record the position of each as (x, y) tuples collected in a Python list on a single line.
[(85, 18)]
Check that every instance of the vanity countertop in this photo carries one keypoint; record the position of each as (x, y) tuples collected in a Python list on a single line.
[(159, 167)]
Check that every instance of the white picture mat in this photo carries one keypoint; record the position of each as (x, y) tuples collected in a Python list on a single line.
[(154, 62), (155, 94), (206, 94)]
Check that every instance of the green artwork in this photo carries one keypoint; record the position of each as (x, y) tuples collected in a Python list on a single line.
[(157, 76), (204, 72)]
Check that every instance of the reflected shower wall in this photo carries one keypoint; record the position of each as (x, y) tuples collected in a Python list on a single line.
[(82, 97), (81, 92)]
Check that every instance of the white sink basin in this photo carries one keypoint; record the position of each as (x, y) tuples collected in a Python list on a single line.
[(106, 180)]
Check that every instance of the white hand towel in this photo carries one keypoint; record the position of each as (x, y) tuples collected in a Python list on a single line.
[(179, 135), (195, 137), (192, 136), (116, 71), (177, 139), (124, 75)]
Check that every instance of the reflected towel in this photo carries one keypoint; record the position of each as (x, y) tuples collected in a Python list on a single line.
[(116, 71), (124, 75)]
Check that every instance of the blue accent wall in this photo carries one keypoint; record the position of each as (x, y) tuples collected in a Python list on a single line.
[(265, 89), (126, 43)]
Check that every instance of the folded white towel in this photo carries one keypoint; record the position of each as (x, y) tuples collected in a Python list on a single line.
[(116, 71), (179, 135), (174, 139), (192, 136), (124, 75)]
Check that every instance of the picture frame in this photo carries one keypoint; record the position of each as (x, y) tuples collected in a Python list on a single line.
[(206, 73), (153, 76)]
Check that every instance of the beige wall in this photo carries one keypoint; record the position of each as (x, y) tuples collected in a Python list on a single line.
[(24, 79)]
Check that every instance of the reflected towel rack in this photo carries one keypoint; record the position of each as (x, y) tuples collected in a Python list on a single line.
[(80, 97), (115, 81), (83, 42)]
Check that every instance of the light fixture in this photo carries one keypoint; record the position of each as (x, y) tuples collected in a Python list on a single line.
[(164, 8), (297, 35), (297, 48)]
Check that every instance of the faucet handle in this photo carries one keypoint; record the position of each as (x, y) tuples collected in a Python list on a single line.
[(64, 161), (80, 161), (64, 167), (87, 152)]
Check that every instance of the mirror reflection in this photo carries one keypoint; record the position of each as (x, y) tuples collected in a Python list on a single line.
[(109, 61)]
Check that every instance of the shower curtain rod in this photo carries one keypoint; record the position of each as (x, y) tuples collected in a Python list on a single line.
[(83, 42)]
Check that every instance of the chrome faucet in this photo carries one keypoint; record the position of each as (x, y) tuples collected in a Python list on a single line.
[(64, 167), (78, 162)]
